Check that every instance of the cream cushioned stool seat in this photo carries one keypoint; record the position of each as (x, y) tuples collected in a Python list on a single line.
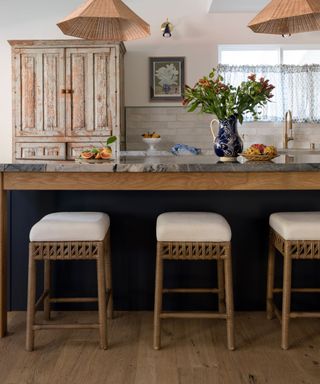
[(69, 236), (296, 225), (295, 236), (193, 226), (194, 236), (71, 226)]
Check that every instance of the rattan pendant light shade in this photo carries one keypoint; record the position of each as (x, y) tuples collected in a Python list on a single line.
[(283, 17), (109, 20)]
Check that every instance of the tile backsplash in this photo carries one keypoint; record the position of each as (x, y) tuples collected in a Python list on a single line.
[(176, 125)]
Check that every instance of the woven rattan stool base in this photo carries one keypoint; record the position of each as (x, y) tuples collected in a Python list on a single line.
[(196, 251), (290, 250), (49, 252)]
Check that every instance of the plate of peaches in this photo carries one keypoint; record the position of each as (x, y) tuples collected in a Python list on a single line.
[(260, 152), (96, 155)]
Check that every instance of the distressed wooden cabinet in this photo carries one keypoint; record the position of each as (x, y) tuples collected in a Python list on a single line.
[(67, 96)]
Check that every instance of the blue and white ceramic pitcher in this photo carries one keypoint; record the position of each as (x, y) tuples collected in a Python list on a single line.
[(227, 143)]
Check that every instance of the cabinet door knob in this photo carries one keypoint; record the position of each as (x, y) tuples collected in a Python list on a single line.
[(63, 91), (69, 91)]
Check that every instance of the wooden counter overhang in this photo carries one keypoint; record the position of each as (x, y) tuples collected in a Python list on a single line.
[(161, 181)]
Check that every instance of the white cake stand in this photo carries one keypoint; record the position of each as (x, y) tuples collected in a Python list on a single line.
[(152, 142)]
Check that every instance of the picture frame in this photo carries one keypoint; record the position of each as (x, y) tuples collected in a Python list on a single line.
[(167, 78)]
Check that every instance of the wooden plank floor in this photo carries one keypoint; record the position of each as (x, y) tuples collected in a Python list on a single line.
[(194, 352)]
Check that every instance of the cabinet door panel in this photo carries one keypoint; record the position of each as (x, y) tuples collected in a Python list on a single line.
[(39, 104), (28, 92), (40, 151), (79, 83), (90, 83), (101, 85), (53, 98)]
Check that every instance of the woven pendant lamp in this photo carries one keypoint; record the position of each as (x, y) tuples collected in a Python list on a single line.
[(109, 20), (285, 17)]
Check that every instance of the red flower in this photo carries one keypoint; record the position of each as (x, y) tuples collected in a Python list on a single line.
[(185, 102), (204, 83)]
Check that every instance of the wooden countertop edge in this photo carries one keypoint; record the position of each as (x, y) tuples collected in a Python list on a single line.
[(162, 181)]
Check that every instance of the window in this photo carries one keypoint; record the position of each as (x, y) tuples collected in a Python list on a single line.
[(254, 57), (269, 54), (248, 55), (294, 70), (301, 56)]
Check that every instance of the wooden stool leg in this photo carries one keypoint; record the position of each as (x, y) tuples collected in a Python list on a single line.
[(31, 303), (47, 283), (158, 300), (108, 271), (102, 300), (270, 279), (286, 298), (229, 299), (221, 285)]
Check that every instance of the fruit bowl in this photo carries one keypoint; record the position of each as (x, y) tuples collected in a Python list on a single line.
[(97, 155), (260, 152), (80, 160), (261, 157)]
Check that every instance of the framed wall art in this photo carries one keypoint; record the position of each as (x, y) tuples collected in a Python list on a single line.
[(167, 78)]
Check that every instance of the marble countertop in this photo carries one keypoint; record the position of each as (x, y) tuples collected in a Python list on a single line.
[(294, 161)]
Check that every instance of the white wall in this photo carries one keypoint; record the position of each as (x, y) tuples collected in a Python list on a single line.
[(237, 6), (196, 37)]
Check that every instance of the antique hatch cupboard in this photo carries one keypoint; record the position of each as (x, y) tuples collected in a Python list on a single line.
[(67, 96)]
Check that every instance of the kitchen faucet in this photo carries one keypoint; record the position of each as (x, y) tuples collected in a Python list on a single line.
[(287, 127)]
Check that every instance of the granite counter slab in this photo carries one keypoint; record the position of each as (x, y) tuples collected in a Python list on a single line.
[(299, 163)]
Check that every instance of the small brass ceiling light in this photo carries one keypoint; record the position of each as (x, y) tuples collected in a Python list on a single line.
[(109, 20), (286, 17), (167, 29)]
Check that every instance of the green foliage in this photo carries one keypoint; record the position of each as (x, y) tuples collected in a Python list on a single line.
[(212, 96), (111, 140)]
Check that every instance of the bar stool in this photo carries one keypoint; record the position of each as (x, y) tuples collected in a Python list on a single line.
[(70, 236), (296, 235), (195, 236)]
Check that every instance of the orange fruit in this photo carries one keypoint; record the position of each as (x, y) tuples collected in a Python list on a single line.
[(105, 155), (106, 150), (86, 155)]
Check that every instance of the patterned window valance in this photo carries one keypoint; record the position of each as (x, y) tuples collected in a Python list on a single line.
[(297, 89)]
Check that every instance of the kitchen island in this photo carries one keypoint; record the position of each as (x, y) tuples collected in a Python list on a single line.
[(298, 171), (134, 190)]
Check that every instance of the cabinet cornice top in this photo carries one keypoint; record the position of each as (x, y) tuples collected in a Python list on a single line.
[(64, 43)]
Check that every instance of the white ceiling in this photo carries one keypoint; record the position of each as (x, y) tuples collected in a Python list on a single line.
[(222, 6)]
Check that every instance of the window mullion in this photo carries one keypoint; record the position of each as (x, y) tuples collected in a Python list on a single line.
[(281, 55)]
